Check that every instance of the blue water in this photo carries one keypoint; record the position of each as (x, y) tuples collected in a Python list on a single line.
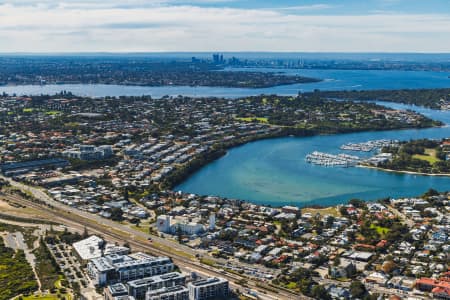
[(274, 172), (332, 80)]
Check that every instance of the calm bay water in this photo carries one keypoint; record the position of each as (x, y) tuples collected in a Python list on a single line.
[(332, 80), (274, 171)]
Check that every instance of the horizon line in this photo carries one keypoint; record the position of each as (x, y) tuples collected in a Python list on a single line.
[(219, 51)]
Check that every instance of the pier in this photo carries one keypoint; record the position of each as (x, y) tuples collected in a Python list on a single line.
[(332, 160), (369, 146)]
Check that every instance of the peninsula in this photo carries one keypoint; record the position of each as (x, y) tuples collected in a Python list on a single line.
[(431, 98), (139, 71), (425, 157)]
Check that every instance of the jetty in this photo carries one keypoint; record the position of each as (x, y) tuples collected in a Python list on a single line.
[(332, 160), (369, 146)]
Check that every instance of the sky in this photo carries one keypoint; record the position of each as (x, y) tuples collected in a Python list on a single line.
[(225, 25)]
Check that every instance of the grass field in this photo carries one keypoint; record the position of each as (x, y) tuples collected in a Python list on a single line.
[(143, 226), (207, 261), (47, 297), (291, 285), (429, 156), (58, 283), (257, 119), (41, 297), (380, 230), (53, 112)]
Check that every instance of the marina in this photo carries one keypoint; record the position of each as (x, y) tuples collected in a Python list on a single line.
[(275, 171), (331, 160), (369, 146)]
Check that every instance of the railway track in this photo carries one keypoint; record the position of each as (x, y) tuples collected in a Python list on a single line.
[(80, 223)]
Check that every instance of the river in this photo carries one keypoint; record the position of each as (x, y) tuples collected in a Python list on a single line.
[(332, 80), (274, 172)]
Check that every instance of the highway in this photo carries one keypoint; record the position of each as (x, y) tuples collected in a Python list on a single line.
[(182, 256)]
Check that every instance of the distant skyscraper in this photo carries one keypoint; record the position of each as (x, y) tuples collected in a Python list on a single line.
[(212, 221), (218, 58)]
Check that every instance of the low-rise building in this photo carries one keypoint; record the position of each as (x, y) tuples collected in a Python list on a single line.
[(138, 288), (169, 293), (95, 247), (112, 292), (168, 224), (120, 268)]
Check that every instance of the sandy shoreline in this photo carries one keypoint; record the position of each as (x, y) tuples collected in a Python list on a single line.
[(404, 172)]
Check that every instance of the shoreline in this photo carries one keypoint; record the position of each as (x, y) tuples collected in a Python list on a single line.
[(285, 132), (306, 80), (404, 172)]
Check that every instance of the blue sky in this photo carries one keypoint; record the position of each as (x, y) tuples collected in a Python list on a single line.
[(225, 25)]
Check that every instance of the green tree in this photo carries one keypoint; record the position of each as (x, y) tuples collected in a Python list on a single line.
[(116, 214), (319, 292), (357, 289)]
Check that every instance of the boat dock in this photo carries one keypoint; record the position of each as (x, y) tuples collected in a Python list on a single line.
[(332, 160), (369, 146)]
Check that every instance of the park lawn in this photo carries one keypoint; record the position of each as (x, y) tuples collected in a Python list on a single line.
[(53, 112), (380, 230), (41, 297), (58, 283), (46, 297), (429, 156), (331, 211), (291, 285), (252, 119)]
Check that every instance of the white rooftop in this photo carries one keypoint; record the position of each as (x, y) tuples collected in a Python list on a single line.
[(89, 248)]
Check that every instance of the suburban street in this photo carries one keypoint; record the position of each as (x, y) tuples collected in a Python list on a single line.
[(138, 240)]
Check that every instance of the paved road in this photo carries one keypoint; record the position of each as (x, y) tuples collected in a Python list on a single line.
[(135, 238), (399, 214)]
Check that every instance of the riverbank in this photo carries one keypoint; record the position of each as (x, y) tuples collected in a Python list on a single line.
[(404, 172), (186, 171)]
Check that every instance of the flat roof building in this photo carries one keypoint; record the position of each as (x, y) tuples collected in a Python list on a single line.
[(90, 248), (121, 268), (210, 288), (170, 293), (138, 288), (114, 291)]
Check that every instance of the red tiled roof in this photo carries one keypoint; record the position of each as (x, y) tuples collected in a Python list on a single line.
[(441, 290), (434, 283)]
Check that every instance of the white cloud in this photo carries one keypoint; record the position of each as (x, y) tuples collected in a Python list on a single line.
[(59, 28), (319, 6)]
